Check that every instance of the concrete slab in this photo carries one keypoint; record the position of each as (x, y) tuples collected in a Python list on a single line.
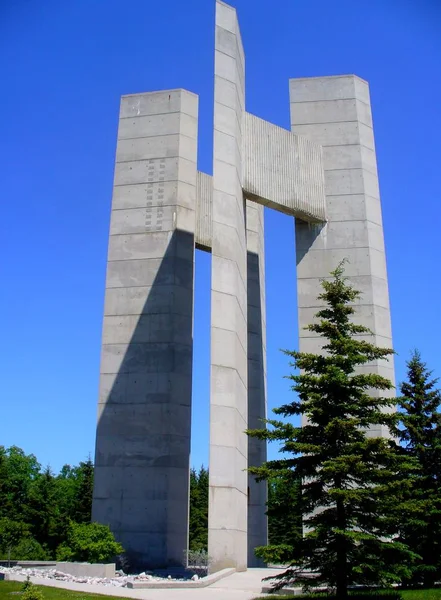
[(238, 586), (78, 569)]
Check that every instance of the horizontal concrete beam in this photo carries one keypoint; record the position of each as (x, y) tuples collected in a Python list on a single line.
[(282, 170), (279, 169)]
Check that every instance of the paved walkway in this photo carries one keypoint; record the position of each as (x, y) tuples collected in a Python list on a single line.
[(239, 586)]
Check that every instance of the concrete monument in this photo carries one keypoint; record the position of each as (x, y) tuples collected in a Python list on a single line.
[(323, 174)]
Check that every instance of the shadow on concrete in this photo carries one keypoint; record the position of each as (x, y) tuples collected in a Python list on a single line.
[(257, 453), (144, 414), (305, 236), (142, 458)]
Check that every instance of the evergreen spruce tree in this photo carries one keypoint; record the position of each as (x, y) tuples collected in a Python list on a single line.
[(284, 520), (420, 434), (83, 505), (42, 510), (198, 525), (349, 476)]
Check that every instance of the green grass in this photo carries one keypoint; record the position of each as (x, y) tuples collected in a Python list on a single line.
[(422, 594), (406, 594), (50, 593)]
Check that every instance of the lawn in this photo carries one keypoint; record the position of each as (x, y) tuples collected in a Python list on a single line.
[(422, 594), (50, 593), (406, 594)]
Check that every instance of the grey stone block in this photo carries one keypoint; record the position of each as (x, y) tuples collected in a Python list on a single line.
[(78, 569)]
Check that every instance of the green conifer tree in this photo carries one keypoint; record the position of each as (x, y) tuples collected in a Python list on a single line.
[(420, 434), (284, 520), (83, 504), (349, 476), (198, 526), (42, 510)]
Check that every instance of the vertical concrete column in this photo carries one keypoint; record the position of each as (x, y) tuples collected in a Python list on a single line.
[(257, 492), (144, 411), (227, 537), (336, 113)]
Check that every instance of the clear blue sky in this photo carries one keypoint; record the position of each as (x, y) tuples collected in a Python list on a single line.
[(63, 68)]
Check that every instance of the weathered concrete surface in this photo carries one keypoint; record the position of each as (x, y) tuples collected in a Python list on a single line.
[(144, 410), (227, 533), (336, 113), (79, 569)]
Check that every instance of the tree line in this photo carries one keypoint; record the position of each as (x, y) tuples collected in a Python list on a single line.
[(37, 507)]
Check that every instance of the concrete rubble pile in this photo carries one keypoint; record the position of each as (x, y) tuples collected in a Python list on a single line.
[(121, 579)]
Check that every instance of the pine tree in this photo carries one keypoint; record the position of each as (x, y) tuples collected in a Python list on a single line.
[(420, 434), (284, 521), (83, 505), (198, 526), (348, 475), (42, 510)]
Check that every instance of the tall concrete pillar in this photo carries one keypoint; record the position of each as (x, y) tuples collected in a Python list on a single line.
[(144, 411), (227, 536), (336, 113), (257, 491)]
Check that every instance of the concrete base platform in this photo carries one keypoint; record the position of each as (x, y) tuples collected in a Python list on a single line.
[(238, 586)]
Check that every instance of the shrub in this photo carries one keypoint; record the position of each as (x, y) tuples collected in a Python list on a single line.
[(29, 549), (26, 584), (11, 533), (31, 592), (88, 542), (198, 561)]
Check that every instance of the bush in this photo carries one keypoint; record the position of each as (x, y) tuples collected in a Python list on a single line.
[(198, 561), (30, 592), (88, 542), (26, 584), (11, 534), (29, 549)]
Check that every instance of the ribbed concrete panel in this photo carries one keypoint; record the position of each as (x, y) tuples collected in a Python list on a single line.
[(204, 211), (282, 170)]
